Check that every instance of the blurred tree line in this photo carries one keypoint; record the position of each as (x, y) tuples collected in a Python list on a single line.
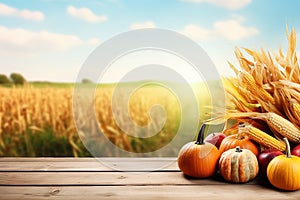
[(14, 78)]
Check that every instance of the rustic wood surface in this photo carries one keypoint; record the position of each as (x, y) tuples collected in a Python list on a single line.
[(86, 178)]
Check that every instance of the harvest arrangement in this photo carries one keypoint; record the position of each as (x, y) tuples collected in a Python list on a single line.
[(264, 101)]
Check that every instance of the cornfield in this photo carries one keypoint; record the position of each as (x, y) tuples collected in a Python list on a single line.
[(33, 119), (29, 110)]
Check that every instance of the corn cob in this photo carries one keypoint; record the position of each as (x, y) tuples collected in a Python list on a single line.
[(283, 126), (261, 137), (295, 108), (230, 88), (241, 104), (277, 123), (251, 85)]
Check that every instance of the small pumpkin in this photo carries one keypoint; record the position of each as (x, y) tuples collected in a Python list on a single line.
[(198, 159), (283, 171), (240, 140), (238, 165)]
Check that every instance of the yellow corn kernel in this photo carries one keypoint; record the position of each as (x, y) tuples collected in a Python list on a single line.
[(295, 107), (283, 126), (262, 137), (256, 90)]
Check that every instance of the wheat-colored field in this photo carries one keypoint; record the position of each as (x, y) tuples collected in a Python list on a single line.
[(26, 111), (38, 121)]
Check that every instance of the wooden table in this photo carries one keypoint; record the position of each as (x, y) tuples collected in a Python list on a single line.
[(86, 178)]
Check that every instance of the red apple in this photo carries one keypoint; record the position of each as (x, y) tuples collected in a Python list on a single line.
[(265, 157), (215, 139), (296, 150)]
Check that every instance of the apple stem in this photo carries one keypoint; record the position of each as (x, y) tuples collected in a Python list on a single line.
[(200, 137), (288, 148)]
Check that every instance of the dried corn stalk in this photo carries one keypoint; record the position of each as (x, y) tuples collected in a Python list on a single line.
[(268, 84)]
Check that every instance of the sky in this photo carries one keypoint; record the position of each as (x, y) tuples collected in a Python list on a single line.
[(51, 39)]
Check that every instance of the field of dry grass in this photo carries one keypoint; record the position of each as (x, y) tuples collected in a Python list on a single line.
[(38, 121)]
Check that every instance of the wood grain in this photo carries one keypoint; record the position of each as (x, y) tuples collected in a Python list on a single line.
[(87, 164), (86, 178), (103, 178), (210, 192)]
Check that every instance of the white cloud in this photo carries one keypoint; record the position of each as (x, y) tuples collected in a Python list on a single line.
[(6, 10), (16, 41), (140, 25), (85, 14), (232, 29), (94, 41), (228, 4), (35, 42), (197, 32)]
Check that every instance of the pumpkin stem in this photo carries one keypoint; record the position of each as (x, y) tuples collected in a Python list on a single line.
[(239, 133), (200, 137), (238, 149), (288, 148)]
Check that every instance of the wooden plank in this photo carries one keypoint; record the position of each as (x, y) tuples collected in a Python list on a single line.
[(211, 192), (84, 159), (52, 166), (87, 164), (104, 178), (45, 159)]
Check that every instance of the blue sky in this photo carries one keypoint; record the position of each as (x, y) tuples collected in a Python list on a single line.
[(50, 39)]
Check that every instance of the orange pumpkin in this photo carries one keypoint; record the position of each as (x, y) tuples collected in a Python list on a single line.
[(283, 171), (198, 159), (238, 165), (240, 140)]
